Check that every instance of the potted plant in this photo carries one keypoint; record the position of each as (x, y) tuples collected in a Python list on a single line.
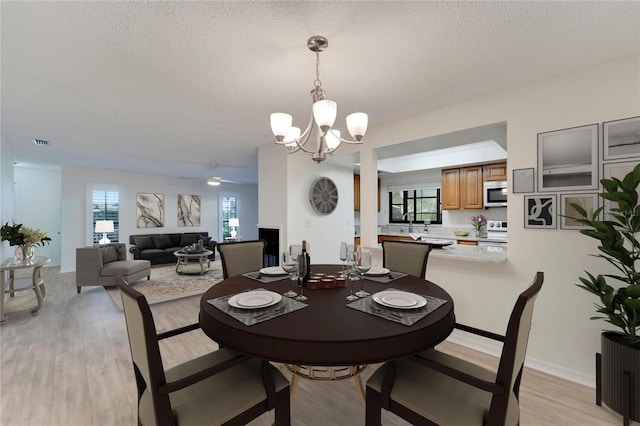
[(23, 237), (619, 293)]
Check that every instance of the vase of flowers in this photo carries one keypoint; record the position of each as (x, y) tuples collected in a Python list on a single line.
[(24, 238), (480, 224)]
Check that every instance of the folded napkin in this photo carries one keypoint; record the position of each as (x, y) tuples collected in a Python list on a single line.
[(391, 276), (266, 279), (250, 317), (406, 317)]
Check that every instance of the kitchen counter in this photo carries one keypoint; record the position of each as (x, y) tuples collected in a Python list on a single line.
[(484, 253), (439, 236)]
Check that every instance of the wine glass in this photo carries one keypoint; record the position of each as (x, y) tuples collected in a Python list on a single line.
[(302, 271), (363, 267), (343, 257), (290, 266), (353, 273)]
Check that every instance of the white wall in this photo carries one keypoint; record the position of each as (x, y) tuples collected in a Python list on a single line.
[(75, 181), (37, 194), (564, 340), (7, 199)]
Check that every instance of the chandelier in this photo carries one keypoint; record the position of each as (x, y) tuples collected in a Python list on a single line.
[(321, 120)]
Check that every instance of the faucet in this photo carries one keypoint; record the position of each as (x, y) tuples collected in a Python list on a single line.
[(410, 221)]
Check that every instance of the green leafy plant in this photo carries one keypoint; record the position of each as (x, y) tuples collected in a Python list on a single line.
[(18, 235), (619, 246)]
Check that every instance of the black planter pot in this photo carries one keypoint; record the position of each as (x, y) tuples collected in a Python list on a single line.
[(618, 376)]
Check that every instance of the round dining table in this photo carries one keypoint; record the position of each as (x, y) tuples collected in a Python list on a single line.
[(327, 332)]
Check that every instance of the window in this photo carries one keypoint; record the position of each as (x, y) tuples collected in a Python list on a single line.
[(415, 205), (105, 205), (229, 209)]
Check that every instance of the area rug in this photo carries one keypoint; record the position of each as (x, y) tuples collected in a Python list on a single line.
[(165, 284)]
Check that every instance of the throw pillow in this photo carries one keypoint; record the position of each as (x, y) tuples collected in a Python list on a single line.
[(205, 240), (144, 242), (108, 254), (161, 241), (188, 239)]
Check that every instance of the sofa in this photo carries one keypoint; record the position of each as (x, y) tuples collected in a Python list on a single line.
[(99, 265), (159, 248)]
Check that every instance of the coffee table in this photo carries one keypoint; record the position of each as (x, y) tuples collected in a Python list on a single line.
[(185, 260)]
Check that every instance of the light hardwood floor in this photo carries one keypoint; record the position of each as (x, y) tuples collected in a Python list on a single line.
[(71, 365)]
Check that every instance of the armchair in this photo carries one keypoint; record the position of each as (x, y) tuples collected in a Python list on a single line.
[(99, 265)]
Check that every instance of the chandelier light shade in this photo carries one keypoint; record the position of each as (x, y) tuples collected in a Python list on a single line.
[(323, 117), (104, 226)]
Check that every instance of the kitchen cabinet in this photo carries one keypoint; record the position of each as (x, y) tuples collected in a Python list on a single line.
[(356, 241), (382, 238), (497, 171), (451, 189), (462, 187), (356, 193), (471, 187)]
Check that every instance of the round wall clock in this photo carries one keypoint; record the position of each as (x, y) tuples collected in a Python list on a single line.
[(323, 196)]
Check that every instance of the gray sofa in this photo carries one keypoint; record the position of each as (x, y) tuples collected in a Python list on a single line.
[(98, 265), (159, 248)]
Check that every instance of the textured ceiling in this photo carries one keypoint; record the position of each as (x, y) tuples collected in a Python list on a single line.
[(172, 87)]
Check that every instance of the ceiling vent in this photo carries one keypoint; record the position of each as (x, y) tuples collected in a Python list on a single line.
[(40, 142)]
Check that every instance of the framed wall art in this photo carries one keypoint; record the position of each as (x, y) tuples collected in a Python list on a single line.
[(588, 202), (540, 211), (523, 180), (568, 159), (149, 210), (188, 210), (621, 138)]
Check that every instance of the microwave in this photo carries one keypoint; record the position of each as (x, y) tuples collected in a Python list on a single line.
[(495, 194)]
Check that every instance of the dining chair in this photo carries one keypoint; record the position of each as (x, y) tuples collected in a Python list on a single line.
[(241, 257), (219, 388), (435, 388), (406, 256)]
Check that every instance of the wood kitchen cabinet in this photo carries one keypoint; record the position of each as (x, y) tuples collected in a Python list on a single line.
[(497, 171), (471, 187), (356, 193), (462, 187), (450, 189)]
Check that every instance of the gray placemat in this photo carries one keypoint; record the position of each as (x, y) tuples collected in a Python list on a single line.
[(391, 276), (265, 278), (407, 317), (254, 316)]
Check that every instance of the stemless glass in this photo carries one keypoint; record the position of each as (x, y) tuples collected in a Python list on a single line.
[(302, 271), (353, 273), (344, 248), (290, 266), (363, 267)]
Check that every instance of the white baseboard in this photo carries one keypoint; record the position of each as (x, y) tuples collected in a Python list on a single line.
[(536, 364)]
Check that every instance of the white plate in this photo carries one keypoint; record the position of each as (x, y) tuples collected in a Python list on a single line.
[(273, 270), (377, 271), (399, 299), (254, 299)]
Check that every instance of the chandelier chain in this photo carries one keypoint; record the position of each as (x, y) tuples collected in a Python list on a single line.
[(317, 83)]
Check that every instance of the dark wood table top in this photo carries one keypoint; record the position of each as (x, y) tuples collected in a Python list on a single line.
[(327, 332)]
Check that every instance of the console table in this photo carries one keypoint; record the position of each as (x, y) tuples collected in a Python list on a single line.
[(21, 302)]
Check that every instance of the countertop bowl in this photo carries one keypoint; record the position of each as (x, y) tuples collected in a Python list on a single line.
[(461, 233)]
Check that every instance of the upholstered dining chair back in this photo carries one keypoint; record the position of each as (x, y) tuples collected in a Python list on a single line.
[(220, 387), (406, 256), (241, 257), (466, 393)]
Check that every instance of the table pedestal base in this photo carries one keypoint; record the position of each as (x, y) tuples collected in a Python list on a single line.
[(327, 374)]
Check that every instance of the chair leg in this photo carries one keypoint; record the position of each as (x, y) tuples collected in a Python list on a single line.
[(283, 408), (373, 415), (78, 289)]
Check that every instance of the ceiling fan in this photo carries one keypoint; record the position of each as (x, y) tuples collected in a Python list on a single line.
[(214, 179)]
